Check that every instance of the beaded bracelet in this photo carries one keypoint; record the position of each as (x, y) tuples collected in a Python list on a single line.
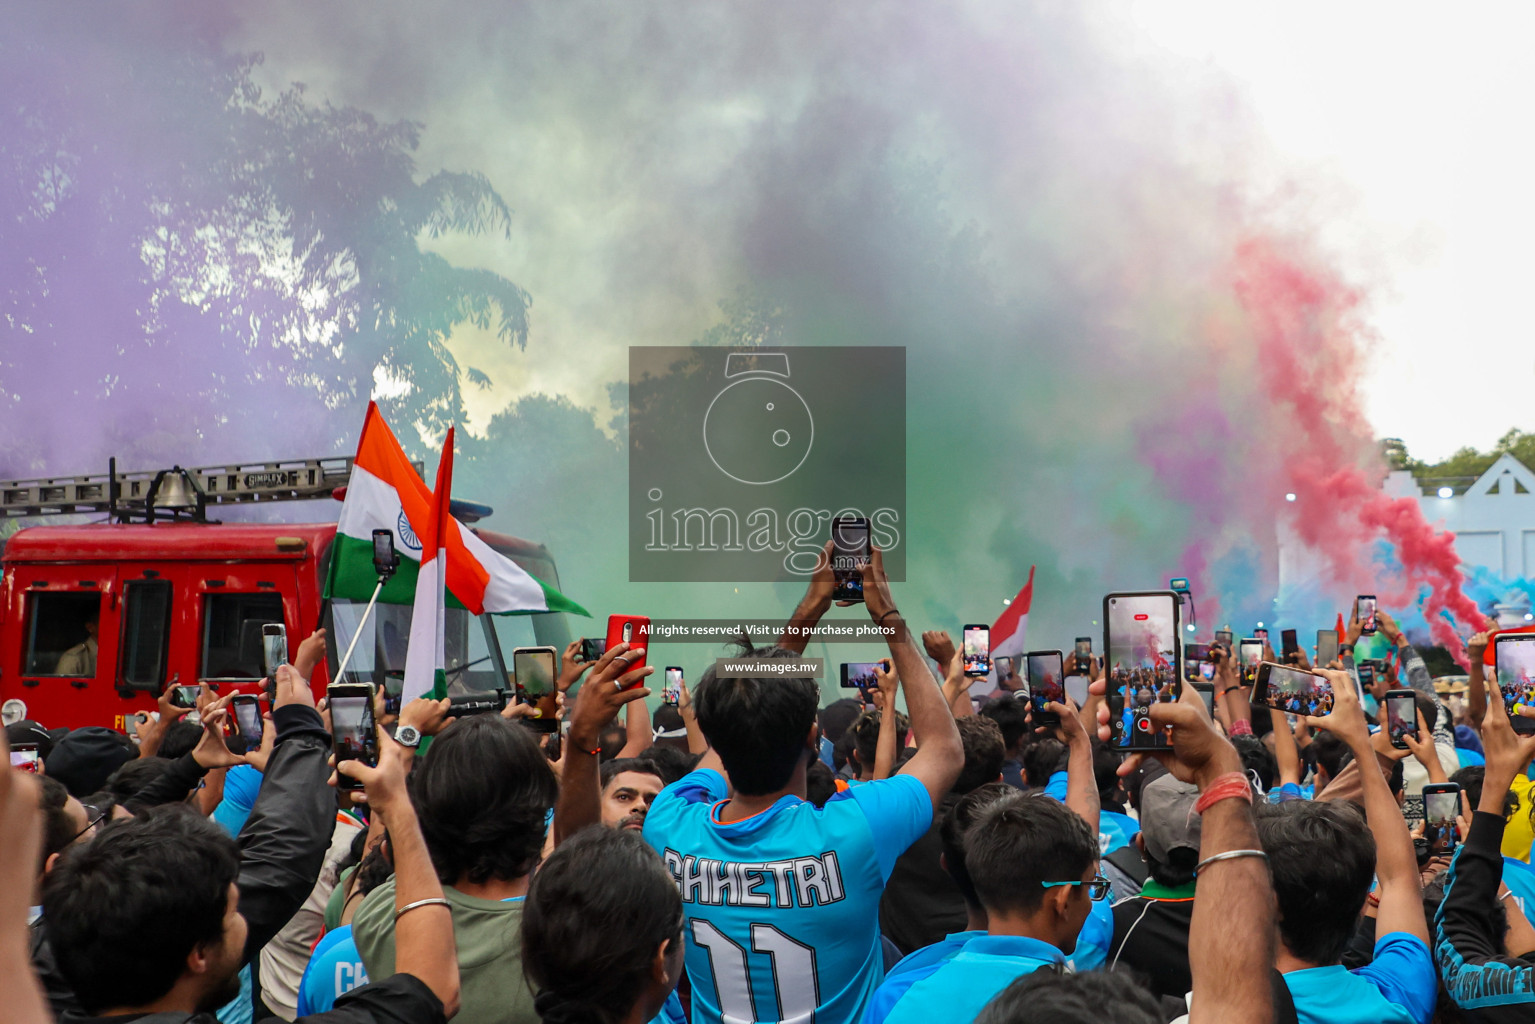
[(1232, 785)]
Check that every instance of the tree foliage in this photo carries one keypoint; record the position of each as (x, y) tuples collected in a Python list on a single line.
[(1467, 463), (188, 264)]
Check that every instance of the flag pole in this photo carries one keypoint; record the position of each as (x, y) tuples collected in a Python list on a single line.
[(341, 669)]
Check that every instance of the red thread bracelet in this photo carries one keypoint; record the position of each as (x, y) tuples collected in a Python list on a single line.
[(1232, 785)]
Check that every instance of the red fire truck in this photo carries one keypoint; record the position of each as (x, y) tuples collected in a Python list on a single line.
[(97, 619)]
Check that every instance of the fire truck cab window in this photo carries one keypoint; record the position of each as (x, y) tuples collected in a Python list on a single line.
[(232, 633), (61, 634), (146, 633)]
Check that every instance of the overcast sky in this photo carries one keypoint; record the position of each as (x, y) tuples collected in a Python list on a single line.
[(1418, 115)]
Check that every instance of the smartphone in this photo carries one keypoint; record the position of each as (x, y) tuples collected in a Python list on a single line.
[(185, 696), (1250, 656), (1261, 634), (977, 639), (131, 724), (1197, 666), (1292, 690), (353, 737), (592, 648), (274, 647), (1364, 611), (1178, 585), (633, 630), (246, 709), (24, 757), (1514, 656), (1326, 646), (671, 692), (1206, 693), (1007, 672), (394, 692), (385, 561), (1401, 717), (534, 672), (859, 675), (849, 554), (1141, 662), (1084, 656), (1366, 675), (1223, 636), (1441, 806), (1289, 646), (1046, 673)]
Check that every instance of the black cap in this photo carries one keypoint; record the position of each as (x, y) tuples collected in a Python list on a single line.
[(86, 758), (28, 731)]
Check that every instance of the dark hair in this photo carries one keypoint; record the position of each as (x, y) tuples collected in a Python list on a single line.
[(1091, 997), (1179, 869), (125, 910), (613, 739), (1429, 709), (758, 725), (835, 717), (595, 917), (866, 736), (1020, 842), (483, 795), (1256, 757), (842, 750), (58, 827), (610, 770), (820, 783), (669, 762), (377, 866), (1470, 780), (951, 833), (1328, 753), (1011, 716), (129, 780), (1111, 793), (1319, 896), (1042, 759), (984, 752), (179, 739)]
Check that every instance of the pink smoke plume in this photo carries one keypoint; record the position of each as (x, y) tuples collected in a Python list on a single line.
[(1310, 345)]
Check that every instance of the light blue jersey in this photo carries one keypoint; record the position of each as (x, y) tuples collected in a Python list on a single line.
[(958, 988), (335, 968), (1399, 986), (782, 908), (921, 959)]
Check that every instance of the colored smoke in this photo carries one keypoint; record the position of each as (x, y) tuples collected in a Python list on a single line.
[(1122, 351)]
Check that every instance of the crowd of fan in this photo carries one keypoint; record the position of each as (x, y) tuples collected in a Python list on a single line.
[(766, 859)]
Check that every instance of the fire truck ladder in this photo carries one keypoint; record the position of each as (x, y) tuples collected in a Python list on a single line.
[(127, 496)]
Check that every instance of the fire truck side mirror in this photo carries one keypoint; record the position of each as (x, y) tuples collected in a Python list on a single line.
[(385, 561)]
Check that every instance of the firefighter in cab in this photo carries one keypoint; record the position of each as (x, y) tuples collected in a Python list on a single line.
[(80, 660)]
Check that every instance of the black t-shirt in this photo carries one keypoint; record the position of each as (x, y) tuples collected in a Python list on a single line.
[(1152, 936), (398, 999), (921, 903)]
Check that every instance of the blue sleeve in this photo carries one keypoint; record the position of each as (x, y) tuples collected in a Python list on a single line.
[(899, 813), (1403, 971), (1093, 941), (888, 994), (1285, 793), (1056, 787), (242, 784), (672, 803)]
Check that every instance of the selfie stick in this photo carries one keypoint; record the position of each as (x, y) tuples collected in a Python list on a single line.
[(341, 669), (385, 568)]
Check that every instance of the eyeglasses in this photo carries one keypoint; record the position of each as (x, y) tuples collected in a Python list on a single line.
[(1097, 887), (94, 817)]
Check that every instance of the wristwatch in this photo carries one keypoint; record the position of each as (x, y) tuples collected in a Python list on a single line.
[(408, 736)]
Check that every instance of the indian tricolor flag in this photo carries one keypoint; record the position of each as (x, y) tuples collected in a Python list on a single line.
[(427, 656), (1009, 634), (386, 493)]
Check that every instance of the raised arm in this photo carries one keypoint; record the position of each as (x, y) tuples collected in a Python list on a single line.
[(1476, 680), (1396, 862), (1468, 935), (1081, 783), (423, 926), (812, 606), (22, 825), (884, 747), (1285, 750), (1231, 935), (606, 690), (940, 757)]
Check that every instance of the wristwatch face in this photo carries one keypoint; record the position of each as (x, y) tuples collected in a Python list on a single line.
[(407, 735)]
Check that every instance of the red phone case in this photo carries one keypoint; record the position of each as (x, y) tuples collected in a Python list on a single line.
[(639, 637)]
